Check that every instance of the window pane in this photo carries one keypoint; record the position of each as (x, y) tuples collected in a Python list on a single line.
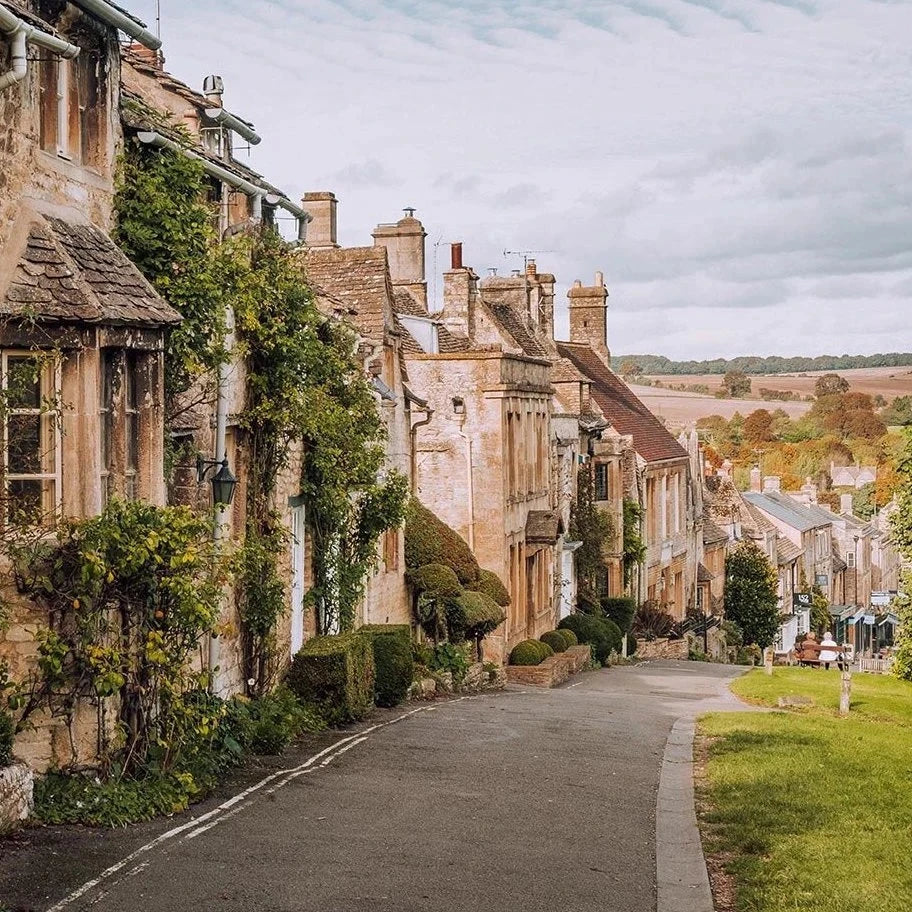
[(23, 383), (23, 444), (25, 502)]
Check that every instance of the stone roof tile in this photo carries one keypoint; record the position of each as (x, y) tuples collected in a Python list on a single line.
[(515, 327), (627, 414)]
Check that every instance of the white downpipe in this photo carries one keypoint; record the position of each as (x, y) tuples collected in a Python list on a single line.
[(470, 479), (21, 34), (127, 24)]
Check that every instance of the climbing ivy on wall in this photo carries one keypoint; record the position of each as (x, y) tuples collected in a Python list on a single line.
[(595, 529), (305, 386), (634, 548)]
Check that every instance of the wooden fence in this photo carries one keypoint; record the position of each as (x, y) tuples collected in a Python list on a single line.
[(875, 666)]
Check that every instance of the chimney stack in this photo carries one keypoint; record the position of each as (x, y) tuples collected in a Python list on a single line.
[(321, 232), (460, 294), (404, 243), (845, 504), (771, 484), (589, 315), (756, 480)]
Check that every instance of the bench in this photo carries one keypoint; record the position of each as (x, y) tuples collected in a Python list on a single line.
[(808, 654)]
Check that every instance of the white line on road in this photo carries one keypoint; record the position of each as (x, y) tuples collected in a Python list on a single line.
[(230, 807)]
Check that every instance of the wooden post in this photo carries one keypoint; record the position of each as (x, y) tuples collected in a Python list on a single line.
[(768, 659), (845, 694)]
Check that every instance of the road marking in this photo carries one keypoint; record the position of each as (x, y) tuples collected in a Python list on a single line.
[(230, 807)]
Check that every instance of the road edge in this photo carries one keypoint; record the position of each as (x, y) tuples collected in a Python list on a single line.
[(682, 880)]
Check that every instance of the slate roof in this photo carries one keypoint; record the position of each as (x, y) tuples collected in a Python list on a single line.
[(627, 414), (515, 327), (786, 510), (405, 303), (543, 527), (76, 274), (712, 534), (447, 342), (358, 277), (786, 551), (703, 574)]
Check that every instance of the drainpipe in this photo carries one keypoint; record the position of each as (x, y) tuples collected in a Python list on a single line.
[(470, 478), (115, 16), (232, 122), (21, 34), (429, 413)]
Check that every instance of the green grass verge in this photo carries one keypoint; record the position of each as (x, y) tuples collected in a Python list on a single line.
[(810, 811)]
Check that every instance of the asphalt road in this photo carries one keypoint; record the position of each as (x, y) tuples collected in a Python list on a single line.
[(528, 799)]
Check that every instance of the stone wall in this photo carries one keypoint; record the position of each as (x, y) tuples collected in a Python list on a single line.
[(15, 796), (662, 648)]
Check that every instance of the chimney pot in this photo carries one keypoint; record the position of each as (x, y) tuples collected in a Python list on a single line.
[(531, 268), (577, 284), (214, 88), (600, 278), (516, 273), (492, 270), (456, 255)]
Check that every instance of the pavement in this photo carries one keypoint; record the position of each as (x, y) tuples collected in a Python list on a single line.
[(528, 799)]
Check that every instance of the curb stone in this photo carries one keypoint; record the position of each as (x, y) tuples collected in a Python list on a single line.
[(681, 877)]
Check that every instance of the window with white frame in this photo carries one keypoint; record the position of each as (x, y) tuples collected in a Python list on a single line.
[(30, 438)]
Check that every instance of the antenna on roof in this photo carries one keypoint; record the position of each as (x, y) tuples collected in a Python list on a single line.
[(525, 254), (158, 19)]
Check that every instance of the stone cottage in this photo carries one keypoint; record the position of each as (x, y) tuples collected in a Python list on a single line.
[(81, 331)]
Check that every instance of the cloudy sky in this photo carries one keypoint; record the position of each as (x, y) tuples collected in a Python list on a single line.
[(741, 170)]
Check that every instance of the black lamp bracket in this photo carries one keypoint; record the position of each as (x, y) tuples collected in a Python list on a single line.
[(205, 466)]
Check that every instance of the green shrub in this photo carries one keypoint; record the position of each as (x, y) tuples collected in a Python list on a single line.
[(619, 610), (530, 652), (276, 720), (556, 640), (492, 586), (569, 636), (631, 644), (7, 735), (394, 667), (601, 634), (449, 657), (429, 540), (335, 675), (61, 798)]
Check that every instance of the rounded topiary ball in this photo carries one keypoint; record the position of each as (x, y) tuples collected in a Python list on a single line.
[(569, 636), (529, 652), (555, 639)]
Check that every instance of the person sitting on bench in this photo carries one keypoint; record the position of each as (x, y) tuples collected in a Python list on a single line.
[(828, 650)]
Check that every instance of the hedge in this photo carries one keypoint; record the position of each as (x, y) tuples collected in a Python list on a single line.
[(620, 610), (429, 540), (569, 636), (491, 585), (335, 675), (394, 666), (530, 652), (556, 640)]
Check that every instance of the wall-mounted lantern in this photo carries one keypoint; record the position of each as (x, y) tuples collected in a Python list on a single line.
[(223, 482), (458, 405)]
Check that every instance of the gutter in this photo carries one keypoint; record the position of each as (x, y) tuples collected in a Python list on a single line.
[(109, 13), (227, 119), (22, 34)]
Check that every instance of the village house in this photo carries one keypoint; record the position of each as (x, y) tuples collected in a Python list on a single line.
[(82, 333), (660, 479)]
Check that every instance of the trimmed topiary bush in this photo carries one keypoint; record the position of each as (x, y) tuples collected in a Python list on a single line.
[(556, 640), (569, 636), (491, 585), (620, 610), (429, 540), (530, 652), (7, 735), (394, 666), (335, 675), (602, 635), (479, 614), (435, 581)]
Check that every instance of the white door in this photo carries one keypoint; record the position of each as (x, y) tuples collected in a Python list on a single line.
[(297, 578), (567, 587)]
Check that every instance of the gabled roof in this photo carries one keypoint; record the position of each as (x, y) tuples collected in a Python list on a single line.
[(515, 327), (755, 519), (543, 527), (71, 273), (703, 574), (786, 510), (359, 278), (405, 305), (627, 414)]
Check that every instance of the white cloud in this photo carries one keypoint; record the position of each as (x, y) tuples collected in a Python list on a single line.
[(739, 169)]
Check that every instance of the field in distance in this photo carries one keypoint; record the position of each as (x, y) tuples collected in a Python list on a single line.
[(680, 409)]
